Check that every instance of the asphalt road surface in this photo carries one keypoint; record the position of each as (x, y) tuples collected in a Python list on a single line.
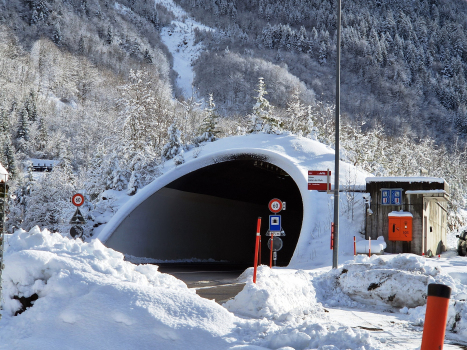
[(212, 281)]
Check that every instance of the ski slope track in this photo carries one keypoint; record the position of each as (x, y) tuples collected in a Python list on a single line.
[(179, 37)]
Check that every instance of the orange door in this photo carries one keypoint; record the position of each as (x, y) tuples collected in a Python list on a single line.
[(400, 228)]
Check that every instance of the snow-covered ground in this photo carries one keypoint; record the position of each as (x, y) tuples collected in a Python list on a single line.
[(89, 297), (179, 37)]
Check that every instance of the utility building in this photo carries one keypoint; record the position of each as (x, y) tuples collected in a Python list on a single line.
[(409, 212)]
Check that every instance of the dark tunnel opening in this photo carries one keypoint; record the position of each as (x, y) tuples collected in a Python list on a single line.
[(210, 214)]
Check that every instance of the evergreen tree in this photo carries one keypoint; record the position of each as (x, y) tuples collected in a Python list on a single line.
[(262, 119), (10, 159), (297, 114), (174, 148), (57, 34), (22, 135), (208, 129), (30, 107), (109, 36)]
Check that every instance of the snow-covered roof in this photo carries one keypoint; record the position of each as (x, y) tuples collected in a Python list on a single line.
[(3, 174), (427, 192), (409, 179), (43, 162), (400, 213)]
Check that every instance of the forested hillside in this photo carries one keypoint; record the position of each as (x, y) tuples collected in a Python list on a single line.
[(403, 62), (89, 83)]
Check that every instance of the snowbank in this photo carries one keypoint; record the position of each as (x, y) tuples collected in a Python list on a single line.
[(388, 280), (90, 298), (377, 247), (278, 294)]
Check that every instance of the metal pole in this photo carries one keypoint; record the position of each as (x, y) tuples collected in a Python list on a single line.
[(3, 203), (336, 172)]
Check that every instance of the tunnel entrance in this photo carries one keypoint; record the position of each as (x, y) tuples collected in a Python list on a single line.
[(210, 214)]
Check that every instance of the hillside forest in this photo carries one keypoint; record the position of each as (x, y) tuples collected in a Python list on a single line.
[(90, 84)]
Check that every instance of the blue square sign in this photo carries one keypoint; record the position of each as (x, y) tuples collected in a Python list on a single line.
[(391, 196), (274, 222)]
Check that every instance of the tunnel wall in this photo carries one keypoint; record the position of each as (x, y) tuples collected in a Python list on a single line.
[(134, 244), (149, 230)]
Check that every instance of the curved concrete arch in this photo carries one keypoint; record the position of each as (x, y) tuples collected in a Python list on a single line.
[(124, 230)]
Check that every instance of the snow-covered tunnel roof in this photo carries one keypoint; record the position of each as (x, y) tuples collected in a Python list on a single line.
[(295, 155)]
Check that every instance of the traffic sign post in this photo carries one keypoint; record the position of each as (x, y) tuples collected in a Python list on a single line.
[(275, 205), (319, 180), (275, 229), (77, 200), (274, 245), (275, 223), (76, 231)]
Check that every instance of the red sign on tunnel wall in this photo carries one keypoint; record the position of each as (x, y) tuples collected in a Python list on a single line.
[(318, 180)]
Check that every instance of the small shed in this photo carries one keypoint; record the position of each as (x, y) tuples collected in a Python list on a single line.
[(409, 212)]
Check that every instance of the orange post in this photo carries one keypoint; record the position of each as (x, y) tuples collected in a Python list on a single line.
[(354, 246), (258, 237), (332, 235), (272, 246), (436, 317), (259, 255)]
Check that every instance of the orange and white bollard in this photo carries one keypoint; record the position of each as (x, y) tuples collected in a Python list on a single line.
[(354, 246), (257, 246), (436, 317), (271, 250)]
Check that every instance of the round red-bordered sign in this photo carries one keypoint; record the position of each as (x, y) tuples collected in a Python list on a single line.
[(275, 205), (77, 200)]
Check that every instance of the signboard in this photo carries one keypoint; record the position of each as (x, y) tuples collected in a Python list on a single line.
[(78, 218), (77, 200), (276, 244), (319, 180), (275, 205), (274, 222), (391, 196)]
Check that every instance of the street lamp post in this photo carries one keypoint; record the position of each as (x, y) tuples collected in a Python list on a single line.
[(336, 171), (3, 204)]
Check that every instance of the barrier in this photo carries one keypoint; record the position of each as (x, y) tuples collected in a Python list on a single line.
[(436, 317), (271, 250), (332, 236), (257, 245)]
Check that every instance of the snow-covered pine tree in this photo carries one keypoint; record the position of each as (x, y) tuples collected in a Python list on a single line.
[(297, 114), (30, 106), (174, 148), (262, 119), (23, 127), (49, 202), (10, 158), (208, 130)]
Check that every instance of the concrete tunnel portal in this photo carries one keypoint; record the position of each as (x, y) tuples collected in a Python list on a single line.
[(211, 213)]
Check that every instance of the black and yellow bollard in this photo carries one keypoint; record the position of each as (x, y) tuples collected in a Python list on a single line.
[(436, 316)]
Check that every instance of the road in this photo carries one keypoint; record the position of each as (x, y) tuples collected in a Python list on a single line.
[(216, 282)]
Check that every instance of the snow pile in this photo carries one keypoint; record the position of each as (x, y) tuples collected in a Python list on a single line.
[(312, 335), (90, 298), (377, 247), (277, 294), (395, 280)]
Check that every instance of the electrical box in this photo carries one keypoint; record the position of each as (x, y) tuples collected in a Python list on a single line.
[(400, 226)]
